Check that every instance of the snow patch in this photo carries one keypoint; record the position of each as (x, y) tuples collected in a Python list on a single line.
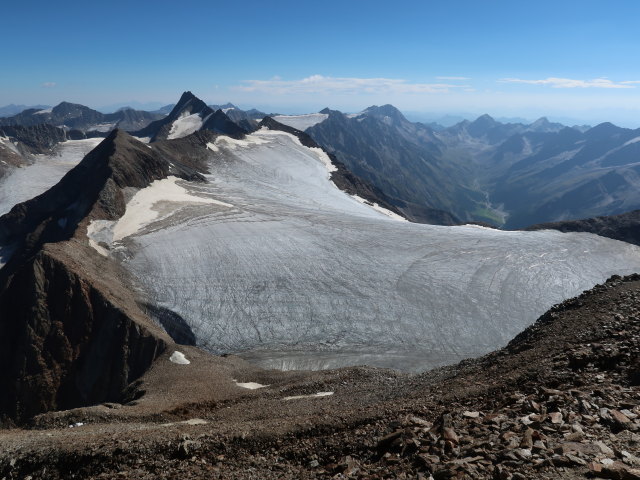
[(250, 385), (42, 112), (100, 231), (633, 140), (233, 143), (179, 358), (314, 395), (185, 125), (319, 152), (102, 127), (140, 209), (301, 122), (380, 209)]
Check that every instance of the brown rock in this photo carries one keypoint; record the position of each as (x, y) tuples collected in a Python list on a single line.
[(449, 434)]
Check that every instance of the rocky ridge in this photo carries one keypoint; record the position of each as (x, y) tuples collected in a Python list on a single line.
[(624, 227), (65, 314)]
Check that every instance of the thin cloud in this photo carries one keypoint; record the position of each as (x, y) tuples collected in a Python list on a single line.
[(453, 78), (48, 84), (554, 82), (319, 84)]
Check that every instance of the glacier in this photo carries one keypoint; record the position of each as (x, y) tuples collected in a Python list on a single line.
[(22, 184), (287, 271), (301, 122)]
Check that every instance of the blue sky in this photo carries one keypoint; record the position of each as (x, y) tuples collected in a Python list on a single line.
[(564, 59)]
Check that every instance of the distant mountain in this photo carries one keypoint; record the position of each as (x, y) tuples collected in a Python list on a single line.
[(18, 144), (190, 115), (10, 110), (570, 175), (506, 174), (165, 110), (402, 159), (75, 116)]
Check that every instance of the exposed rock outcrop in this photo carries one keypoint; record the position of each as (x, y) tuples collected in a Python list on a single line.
[(625, 227), (71, 333)]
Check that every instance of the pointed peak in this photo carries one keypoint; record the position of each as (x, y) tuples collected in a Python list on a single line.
[(541, 121)]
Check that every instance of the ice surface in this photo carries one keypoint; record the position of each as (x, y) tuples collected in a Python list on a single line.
[(297, 274), (143, 208), (179, 358), (186, 125), (301, 122), (24, 183), (380, 209)]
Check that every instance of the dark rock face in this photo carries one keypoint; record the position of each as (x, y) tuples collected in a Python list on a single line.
[(63, 342), (25, 141), (625, 227), (35, 139), (70, 332), (401, 159)]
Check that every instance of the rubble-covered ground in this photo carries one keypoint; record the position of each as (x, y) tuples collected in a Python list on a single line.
[(562, 400)]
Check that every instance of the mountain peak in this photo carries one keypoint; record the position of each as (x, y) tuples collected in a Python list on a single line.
[(485, 119), (388, 111)]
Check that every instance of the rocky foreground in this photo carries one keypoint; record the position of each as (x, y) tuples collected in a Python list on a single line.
[(562, 400)]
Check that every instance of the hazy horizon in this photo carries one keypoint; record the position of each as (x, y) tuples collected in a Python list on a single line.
[(556, 59)]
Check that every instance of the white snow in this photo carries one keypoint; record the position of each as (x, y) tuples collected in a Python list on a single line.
[(41, 112), (250, 385), (225, 110), (143, 139), (24, 183), (100, 231), (301, 122), (314, 395), (380, 209), (234, 143), (141, 209), (102, 127), (179, 358), (633, 140), (185, 125)]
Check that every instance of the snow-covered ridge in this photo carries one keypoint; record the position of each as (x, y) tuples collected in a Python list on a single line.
[(186, 124), (301, 122), (158, 201)]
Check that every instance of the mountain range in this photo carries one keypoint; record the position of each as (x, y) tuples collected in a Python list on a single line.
[(175, 301), (258, 241), (507, 175)]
